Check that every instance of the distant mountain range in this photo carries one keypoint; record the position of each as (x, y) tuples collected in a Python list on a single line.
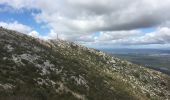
[(35, 69), (136, 51), (157, 59)]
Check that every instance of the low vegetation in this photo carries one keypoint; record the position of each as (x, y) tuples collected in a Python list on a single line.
[(33, 69)]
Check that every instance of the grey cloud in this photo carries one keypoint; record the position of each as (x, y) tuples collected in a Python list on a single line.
[(160, 36), (73, 19), (101, 15)]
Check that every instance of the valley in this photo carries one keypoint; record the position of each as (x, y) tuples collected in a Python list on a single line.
[(152, 58)]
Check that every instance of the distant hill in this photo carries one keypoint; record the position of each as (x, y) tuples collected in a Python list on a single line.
[(34, 69), (157, 59)]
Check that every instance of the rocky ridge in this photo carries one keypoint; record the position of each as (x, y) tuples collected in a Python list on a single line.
[(35, 69)]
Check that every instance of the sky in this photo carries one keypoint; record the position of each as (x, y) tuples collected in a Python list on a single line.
[(96, 24)]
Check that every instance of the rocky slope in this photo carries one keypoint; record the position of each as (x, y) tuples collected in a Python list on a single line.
[(33, 69)]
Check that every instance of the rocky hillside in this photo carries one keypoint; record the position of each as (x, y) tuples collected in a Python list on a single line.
[(33, 69)]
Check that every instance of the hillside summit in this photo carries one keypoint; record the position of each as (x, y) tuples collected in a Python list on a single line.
[(35, 69)]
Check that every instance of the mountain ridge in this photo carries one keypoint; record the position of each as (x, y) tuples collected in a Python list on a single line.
[(35, 69)]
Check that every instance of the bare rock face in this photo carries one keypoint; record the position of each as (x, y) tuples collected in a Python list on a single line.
[(34, 69)]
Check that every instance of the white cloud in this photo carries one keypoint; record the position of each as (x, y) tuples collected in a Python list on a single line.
[(23, 29), (91, 16), (18, 4), (103, 15), (117, 21), (16, 26), (116, 35), (34, 34), (38, 35), (160, 37)]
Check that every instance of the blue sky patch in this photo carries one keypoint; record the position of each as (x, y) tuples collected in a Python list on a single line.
[(148, 30), (23, 16)]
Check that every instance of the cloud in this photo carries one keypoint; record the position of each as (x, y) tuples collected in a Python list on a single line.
[(91, 16), (34, 34), (16, 26), (116, 21), (116, 35), (160, 37), (18, 4), (104, 15), (23, 29)]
